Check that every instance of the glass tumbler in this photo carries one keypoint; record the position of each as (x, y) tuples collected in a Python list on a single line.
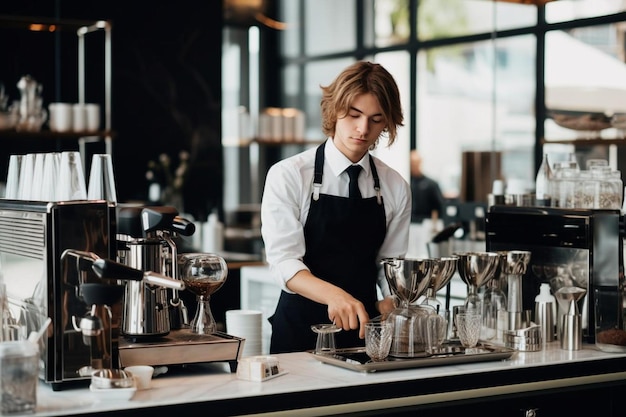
[(378, 336), (13, 177), (325, 342), (71, 178), (468, 325), (101, 179), (19, 377)]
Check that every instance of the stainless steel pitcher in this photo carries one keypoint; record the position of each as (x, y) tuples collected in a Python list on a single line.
[(145, 242)]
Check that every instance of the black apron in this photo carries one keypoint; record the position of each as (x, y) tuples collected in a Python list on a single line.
[(342, 237)]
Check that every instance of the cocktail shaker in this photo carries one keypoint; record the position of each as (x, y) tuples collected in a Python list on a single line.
[(572, 329), (545, 307)]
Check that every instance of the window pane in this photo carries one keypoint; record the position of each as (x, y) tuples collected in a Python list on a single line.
[(585, 82), (564, 10), (330, 26), (290, 37), (398, 64), (291, 87), (457, 112), (234, 88), (318, 74), (448, 18), (391, 22)]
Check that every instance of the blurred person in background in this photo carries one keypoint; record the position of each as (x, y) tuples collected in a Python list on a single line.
[(427, 198)]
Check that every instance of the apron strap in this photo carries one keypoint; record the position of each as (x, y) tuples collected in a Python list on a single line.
[(319, 169), (376, 181)]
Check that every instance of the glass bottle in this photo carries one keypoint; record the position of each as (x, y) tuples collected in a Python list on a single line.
[(542, 183)]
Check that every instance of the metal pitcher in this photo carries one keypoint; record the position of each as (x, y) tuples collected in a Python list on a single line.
[(145, 242)]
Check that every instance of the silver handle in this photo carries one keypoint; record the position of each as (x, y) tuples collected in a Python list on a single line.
[(163, 281)]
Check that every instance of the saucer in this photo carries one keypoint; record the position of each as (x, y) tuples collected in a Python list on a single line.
[(114, 393)]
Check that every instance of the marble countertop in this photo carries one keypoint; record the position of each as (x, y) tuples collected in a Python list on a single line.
[(206, 384)]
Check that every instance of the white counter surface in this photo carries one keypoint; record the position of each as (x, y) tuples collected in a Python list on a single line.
[(214, 383)]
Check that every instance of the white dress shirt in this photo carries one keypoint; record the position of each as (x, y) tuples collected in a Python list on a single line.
[(287, 198)]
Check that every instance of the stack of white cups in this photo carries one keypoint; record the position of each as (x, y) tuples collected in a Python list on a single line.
[(248, 325)]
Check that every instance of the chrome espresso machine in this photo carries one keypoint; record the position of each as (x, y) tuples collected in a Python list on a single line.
[(580, 248), (43, 281), (40, 283)]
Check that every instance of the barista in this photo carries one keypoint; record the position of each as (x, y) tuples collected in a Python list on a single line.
[(324, 246)]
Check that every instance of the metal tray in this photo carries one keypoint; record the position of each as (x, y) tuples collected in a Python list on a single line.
[(182, 347), (449, 354)]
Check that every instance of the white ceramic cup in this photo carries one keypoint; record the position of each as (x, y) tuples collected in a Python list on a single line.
[(142, 375), (92, 117), (79, 117), (61, 115)]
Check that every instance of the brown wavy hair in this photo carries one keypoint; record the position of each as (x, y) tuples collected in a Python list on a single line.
[(360, 78)]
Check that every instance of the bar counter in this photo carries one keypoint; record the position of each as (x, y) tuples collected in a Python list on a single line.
[(552, 379)]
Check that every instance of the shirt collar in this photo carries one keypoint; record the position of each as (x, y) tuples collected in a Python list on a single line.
[(338, 161)]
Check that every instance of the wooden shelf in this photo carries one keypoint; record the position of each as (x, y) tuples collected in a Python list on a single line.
[(586, 142), (271, 142), (47, 134)]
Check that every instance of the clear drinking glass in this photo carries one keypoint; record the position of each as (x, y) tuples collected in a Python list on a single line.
[(13, 177), (101, 179), (37, 184), (378, 335), (325, 337), (27, 170), (71, 178), (51, 164), (468, 324), (436, 329), (19, 361)]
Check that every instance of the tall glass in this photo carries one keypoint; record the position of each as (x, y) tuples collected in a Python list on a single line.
[(101, 179), (37, 184), (27, 170), (71, 178), (13, 177), (50, 176)]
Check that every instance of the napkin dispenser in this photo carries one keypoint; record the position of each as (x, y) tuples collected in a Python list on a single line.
[(39, 284)]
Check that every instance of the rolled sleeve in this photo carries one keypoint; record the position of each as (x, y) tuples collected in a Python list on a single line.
[(282, 221)]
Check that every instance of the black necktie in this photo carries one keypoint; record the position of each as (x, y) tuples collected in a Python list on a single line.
[(353, 172)]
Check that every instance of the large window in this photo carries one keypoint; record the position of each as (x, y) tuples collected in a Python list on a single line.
[(476, 75)]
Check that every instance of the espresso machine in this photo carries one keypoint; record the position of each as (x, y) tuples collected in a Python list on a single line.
[(155, 325), (40, 284), (570, 248)]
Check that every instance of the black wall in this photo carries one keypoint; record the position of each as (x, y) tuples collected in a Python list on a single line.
[(166, 91)]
